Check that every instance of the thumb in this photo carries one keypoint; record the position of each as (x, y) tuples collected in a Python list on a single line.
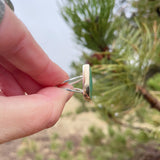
[(21, 116)]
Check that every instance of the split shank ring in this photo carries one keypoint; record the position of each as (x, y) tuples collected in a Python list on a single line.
[(86, 79)]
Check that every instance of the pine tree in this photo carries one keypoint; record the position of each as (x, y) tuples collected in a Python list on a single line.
[(124, 54), (124, 57), (147, 11), (91, 22)]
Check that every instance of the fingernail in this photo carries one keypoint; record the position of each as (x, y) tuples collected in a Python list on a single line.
[(2, 10)]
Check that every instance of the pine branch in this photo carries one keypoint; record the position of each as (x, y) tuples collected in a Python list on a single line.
[(154, 103), (91, 22)]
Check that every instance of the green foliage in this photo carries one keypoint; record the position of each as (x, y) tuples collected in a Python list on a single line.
[(38, 157), (69, 145), (134, 53), (153, 83), (28, 147), (130, 59), (54, 136), (64, 155), (147, 11), (82, 109), (54, 144), (118, 145), (124, 55), (96, 137), (91, 22)]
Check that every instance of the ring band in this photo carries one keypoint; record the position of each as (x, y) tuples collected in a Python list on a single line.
[(86, 79)]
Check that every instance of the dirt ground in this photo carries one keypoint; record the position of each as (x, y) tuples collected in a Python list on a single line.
[(70, 125)]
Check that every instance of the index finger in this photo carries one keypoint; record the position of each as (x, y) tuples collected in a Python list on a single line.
[(20, 49)]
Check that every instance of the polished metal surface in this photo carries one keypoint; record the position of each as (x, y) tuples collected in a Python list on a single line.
[(86, 82), (86, 79)]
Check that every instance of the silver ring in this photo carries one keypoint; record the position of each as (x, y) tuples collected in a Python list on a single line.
[(86, 79)]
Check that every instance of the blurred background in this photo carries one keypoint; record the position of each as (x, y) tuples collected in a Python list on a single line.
[(121, 41)]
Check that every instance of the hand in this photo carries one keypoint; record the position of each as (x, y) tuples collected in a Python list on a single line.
[(25, 68)]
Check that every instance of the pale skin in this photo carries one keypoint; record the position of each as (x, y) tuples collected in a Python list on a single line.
[(25, 68)]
